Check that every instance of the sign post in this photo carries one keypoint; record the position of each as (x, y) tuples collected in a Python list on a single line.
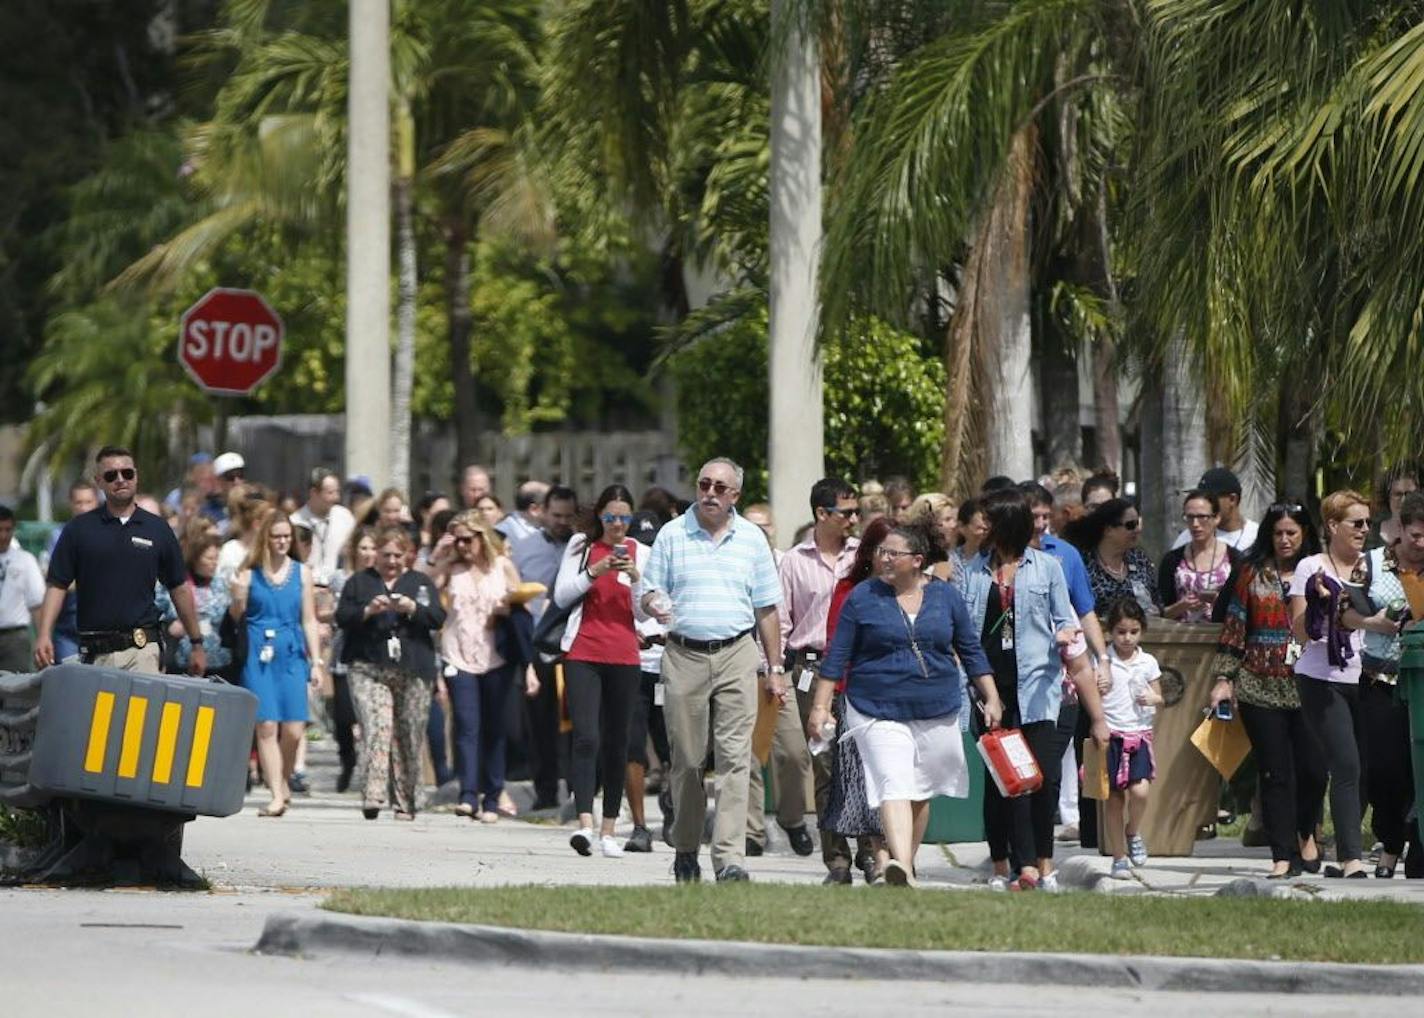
[(230, 342)]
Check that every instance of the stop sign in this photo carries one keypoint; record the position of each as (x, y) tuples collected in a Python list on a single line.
[(230, 341)]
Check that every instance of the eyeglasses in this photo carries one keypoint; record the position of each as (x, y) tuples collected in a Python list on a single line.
[(1358, 524), (127, 473), (718, 488), (1196, 517), (462, 541), (894, 553), (623, 518), (1129, 524)]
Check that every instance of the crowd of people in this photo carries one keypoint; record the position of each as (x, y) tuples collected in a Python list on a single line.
[(599, 645)]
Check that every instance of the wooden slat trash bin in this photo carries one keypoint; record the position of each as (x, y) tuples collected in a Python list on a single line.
[(1187, 790)]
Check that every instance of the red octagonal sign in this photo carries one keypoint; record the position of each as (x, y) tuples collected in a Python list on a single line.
[(230, 341)]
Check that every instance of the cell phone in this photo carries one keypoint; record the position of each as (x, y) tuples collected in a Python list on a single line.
[(1224, 711), (620, 552)]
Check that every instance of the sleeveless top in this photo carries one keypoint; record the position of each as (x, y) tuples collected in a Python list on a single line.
[(277, 608)]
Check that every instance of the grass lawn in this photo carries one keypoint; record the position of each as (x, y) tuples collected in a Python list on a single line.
[(1250, 928)]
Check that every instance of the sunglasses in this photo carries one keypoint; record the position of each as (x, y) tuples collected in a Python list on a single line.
[(623, 518), (718, 488), (1196, 517), (460, 542), (1358, 524), (1285, 507), (127, 473), (1129, 524), (233, 475), (845, 514)]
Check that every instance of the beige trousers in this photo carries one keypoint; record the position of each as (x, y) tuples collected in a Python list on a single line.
[(719, 689), (135, 659)]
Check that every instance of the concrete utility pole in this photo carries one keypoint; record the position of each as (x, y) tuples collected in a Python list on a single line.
[(797, 433), (368, 244)]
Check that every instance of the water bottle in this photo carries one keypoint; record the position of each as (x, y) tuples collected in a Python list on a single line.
[(659, 603), (828, 735)]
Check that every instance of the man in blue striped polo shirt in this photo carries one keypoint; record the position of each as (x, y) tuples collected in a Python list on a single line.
[(711, 580)]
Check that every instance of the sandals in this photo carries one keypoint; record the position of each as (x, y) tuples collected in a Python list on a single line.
[(268, 811)]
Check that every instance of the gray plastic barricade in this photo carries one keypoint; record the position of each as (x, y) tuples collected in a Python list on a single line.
[(159, 741), (116, 763)]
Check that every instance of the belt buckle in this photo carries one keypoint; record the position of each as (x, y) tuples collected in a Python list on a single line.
[(140, 638)]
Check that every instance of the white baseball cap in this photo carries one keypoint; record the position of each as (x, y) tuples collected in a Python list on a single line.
[(227, 462)]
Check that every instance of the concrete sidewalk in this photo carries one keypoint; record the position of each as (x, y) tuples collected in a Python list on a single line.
[(323, 841)]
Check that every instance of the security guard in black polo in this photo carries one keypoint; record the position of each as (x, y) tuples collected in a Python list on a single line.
[(115, 555)]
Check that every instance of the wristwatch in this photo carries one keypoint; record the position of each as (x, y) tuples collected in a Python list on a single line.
[(778, 669)]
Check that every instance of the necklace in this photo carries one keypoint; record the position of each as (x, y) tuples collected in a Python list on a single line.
[(1355, 571), (1210, 562), (1119, 573)]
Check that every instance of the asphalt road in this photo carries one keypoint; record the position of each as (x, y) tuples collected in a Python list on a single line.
[(122, 953), (139, 952)]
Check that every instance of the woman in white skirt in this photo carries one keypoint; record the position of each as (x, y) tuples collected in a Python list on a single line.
[(900, 643)]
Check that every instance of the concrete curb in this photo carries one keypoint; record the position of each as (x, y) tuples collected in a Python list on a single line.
[(308, 935)]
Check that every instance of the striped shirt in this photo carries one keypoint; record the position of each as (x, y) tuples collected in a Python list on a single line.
[(807, 583), (716, 586)]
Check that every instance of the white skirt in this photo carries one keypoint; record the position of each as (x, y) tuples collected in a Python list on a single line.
[(914, 760)]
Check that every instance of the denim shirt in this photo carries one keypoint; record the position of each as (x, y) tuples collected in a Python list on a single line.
[(899, 670), (1041, 609)]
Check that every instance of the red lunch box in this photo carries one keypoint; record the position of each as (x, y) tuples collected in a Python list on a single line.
[(1010, 762)]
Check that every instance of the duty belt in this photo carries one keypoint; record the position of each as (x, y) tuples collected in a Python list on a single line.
[(92, 644)]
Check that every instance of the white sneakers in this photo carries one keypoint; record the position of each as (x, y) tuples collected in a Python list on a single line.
[(582, 842)]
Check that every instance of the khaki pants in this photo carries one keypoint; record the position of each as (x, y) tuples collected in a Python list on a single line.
[(790, 767), (135, 659), (720, 688)]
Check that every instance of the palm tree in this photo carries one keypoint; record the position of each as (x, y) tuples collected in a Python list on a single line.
[(1291, 170), (274, 151)]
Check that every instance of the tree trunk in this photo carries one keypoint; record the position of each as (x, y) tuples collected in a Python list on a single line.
[(796, 457), (1297, 431), (368, 244), (1096, 252), (987, 422), (457, 313), (1005, 319), (1058, 388), (1107, 426), (404, 375), (1183, 435)]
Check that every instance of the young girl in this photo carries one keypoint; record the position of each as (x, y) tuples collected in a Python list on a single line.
[(1128, 707)]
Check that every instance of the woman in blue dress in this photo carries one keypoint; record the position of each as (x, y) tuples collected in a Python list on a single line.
[(274, 594)]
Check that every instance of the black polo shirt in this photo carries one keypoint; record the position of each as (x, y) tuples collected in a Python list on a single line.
[(116, 566)]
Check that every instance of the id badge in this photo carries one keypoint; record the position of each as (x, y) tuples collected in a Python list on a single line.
[(804, 680), (1292, 653), (659, 694), (1006, 640), (393, 648)]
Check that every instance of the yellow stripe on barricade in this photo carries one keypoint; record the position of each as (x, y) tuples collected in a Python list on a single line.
[(133, 736), (202, 736), (167, 743), (99, 732)]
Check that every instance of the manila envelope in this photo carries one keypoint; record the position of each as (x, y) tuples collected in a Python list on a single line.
[(768, 707), (1225, 744), (1095, 772)]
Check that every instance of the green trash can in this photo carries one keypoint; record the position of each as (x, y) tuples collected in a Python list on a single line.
[(1411, 690), (954, 820)]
